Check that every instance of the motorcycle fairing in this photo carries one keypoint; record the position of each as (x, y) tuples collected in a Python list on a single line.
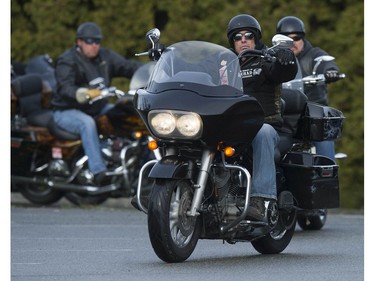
[(233, 120), (204, 78)]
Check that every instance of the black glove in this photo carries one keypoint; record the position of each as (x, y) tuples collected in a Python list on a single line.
[(285, 56), (332, 75)]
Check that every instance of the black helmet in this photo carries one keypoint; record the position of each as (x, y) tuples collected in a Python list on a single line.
[(243, 22), (89, 30), (290, 24)]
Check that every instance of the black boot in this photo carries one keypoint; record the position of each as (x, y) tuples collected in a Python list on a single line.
[(256, 209), (101, 179)]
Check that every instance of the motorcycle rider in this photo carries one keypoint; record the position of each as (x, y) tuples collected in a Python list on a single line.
[(75, 68), (294, 28), (262, 79)]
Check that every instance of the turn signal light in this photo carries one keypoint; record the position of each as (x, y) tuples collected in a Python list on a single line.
[(152, 145), (229, 151)]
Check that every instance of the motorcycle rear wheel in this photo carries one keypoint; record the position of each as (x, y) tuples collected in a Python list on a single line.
[(172, 233), (280, 236), (39, 195), (312, 222)]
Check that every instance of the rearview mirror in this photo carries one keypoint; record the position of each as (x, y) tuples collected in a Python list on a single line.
[(153, 35), (319, 61), (282, 41)]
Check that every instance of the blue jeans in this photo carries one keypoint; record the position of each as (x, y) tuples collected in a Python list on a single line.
[(263, 182), (325, 148), (78, 122)]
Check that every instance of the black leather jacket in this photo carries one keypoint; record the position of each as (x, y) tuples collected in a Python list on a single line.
[(306, 58), (262, 79), (73, 71)]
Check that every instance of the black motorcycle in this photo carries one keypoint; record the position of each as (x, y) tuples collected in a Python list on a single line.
[(312, 219), (48, 163), (202, 122)]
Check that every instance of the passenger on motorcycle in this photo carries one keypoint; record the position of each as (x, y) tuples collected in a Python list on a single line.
[(75, 68), (306, 53), (262, 79)]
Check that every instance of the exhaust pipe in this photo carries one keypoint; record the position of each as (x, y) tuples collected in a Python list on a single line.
[(64, 186)]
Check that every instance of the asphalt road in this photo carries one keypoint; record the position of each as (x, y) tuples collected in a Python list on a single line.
[(110, 242)]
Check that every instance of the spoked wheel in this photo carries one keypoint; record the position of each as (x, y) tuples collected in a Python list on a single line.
[(279, 237), (39, 194), (312, 222), (173, 234)]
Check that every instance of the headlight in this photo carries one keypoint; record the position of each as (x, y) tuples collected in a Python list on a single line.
[(189, 124), (175, 124), (163, 123)]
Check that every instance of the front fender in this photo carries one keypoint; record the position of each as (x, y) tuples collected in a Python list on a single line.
[(174, 167)]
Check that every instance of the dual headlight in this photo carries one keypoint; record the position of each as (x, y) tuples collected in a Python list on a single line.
[(175, 124)]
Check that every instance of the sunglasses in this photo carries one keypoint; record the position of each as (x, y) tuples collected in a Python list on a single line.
[(91, 41), (247, 35), (296, 38)]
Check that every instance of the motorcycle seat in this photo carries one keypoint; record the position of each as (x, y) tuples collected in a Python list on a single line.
[(28, 91), (40, 118), (293, 106), (60, 133), (285, 143)]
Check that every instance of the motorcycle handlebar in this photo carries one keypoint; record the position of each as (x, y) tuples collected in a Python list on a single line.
[(153, 53), (108, 92), (141, 54), (318, 78), (267, 55)]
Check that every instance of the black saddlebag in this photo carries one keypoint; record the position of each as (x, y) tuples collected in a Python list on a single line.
[(320, 123), (312, 179)]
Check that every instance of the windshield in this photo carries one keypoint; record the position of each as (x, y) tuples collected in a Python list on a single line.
[(198, 66)]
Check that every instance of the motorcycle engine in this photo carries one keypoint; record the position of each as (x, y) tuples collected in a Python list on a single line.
[(58, 168), (228, 182), (221, 180), (230, 190)]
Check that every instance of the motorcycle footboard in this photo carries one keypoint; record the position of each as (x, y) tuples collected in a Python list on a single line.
[(312, 179)]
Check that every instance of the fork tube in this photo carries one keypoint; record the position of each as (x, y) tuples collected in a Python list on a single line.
[(207, 158)]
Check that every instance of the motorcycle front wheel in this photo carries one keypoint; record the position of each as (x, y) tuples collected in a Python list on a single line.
[(173, 234)]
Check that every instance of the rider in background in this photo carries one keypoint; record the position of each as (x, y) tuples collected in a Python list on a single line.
[(294, 28), (75, 68), (262, 79)]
